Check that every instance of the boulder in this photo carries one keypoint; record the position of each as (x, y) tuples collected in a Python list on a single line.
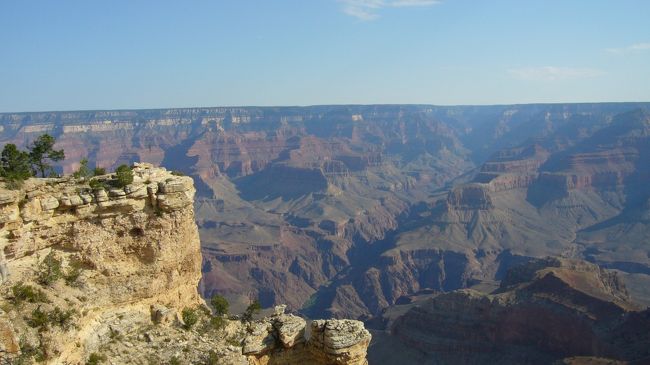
[(290, 330), (49, 203), (136, 191), (172, 186), (101, 195), (162, 315), (260, 339), (71, 201), (7, 197), (173, 201), (340, 341)]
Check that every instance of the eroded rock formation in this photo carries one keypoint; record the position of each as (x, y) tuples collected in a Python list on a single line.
[(129, 247), (106, 272), (283, 340), (315, 206), (545, 310)]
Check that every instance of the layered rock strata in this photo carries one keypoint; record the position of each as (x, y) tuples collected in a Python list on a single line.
[(128, 248), (300, 205), (285, 340), (106, 271), (545, 310)]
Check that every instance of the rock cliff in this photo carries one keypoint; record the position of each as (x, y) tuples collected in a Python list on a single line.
[(282, 339), (92, 269), (544, 310)]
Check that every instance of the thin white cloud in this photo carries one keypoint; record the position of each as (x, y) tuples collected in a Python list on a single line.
[(368, 9), (638, 47), (552, 73)]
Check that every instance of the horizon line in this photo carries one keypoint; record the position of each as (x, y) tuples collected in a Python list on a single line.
[(320, 105)]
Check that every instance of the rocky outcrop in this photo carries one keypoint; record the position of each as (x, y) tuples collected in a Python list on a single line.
[(282, 340), (469, 197), (106, 271), (545, 310), (148, 225), (519, 160), (127, 247)]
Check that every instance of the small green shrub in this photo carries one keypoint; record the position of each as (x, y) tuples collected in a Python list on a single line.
[(212, 359), (38, 319), (174, 361), (123, 176), (83, 171), (13, 183), (217, 323), (220, 305), (27, 293), (233, 341), (29, 352), (213, 324), (50, 270), (74, 271), (95, 359), (190, 317), (251, 310), (98, 171), (97, 184), (177, 173), (42, 320), (62, 318)]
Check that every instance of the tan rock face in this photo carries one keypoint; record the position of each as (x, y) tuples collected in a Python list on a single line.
[(122, 264), (141, 252), (341, 341), (135, 246), (8, 341), (282, 340)]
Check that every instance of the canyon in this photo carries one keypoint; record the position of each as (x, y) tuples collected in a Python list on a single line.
[(351, 211)]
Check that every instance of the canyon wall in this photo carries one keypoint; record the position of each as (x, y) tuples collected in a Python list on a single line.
[(341, 210), (544, 311)]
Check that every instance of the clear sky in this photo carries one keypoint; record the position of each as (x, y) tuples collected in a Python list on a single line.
[(113, 54)]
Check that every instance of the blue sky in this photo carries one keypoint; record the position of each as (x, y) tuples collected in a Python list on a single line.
[(112, 54)]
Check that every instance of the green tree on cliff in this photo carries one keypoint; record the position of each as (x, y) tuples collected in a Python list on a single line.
[(220, 305), (124, 175), (14, 166), (98, 171), (83, 171), (42, 153), (254, 308)]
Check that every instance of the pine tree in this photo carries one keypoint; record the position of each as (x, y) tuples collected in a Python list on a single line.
[(14, 166), (42, 152)]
